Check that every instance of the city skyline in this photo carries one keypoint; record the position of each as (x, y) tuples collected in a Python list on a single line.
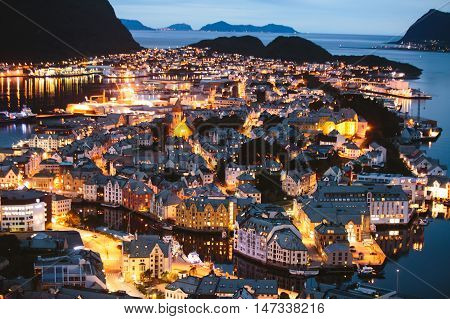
[(345, 17)]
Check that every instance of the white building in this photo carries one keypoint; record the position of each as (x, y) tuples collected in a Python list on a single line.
[(145, 254), (22, 210), (438, 188), (114, 190), (388, 204), (61, 205), (265, 233), (413, 186)]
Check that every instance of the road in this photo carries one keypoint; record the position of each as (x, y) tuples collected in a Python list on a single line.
[(111, 254)]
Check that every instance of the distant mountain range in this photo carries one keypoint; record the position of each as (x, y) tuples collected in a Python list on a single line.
[(60, 29), (135, 25), (297, 49), (433, 26), (222, 26)]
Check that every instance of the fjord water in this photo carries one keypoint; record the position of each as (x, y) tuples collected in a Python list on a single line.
[(421, 255)]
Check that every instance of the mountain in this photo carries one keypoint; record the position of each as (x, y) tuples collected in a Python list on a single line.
[(246, 45), (434, 25), (179, 27), (222, 26), (287, 48), (297, 49), (134, 25), (36, 30)]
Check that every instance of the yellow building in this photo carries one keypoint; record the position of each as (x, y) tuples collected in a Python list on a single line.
[(206, 214), (146, 254)]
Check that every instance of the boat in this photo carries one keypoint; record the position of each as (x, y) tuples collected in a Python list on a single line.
[(110, 205), (167, 227), (25, 115), (366, 271), (304, 272), (423, 222), (194, 258)]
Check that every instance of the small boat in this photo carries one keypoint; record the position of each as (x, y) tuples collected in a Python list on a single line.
[(366, 271), (305, 272), (167, 227), (423, 222), (194, 258), (110, 205)]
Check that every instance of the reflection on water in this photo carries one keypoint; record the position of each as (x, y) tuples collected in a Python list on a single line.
[(396, 242), (45, 94)]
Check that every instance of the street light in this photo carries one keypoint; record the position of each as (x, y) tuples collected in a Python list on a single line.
[(398, 271)]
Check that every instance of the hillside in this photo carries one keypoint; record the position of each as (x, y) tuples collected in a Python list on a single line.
[(297, 49), (134, 25), (433, 26), (179, 27), (222, 26), (246, 45), (84, 27)]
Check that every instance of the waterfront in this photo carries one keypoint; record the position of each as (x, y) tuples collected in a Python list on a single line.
[(416, 257), (412, 249)]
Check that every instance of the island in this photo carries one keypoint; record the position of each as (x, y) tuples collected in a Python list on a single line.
[(134, 25), (431, 32), (223, 26), (298, 49), (179, 27), (61, 29)]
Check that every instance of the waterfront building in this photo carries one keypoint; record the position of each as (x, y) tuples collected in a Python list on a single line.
[(83, 268), (166, 202), (387, 204), (338, 254), (145, 254), (355, 217), (206, 213), (49, 142), (23, 210), (114, 190), (264, 232), (411, 185), (137, 196), (438, 188), (213, 286)]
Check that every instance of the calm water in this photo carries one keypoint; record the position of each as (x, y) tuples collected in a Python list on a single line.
[(421, 255)]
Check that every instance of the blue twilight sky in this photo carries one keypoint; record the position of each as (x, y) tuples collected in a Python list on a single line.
[(391, 17)]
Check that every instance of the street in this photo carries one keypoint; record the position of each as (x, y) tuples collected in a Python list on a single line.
[(111, 254)]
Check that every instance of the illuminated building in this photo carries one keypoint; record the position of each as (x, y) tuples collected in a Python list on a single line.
[(265, 233), (146, 254), (23, 210), (206, 214)]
